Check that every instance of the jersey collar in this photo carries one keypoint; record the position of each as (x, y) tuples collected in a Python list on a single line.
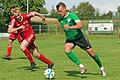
[(66, 15)]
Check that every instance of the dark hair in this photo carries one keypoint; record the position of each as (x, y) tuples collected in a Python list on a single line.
[(60, 4)]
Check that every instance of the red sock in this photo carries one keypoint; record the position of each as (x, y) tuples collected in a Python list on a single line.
[(9, 51), (27, 53), (44, 59)]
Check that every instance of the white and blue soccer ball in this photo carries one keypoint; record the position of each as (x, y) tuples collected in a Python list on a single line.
[(49, 73)]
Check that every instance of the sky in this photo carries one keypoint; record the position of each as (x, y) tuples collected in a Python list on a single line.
[(103, 5)]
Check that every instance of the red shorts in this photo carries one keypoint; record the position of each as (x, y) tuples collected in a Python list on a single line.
[(31, 46), (30, 38), (19, 38), (14, 36)]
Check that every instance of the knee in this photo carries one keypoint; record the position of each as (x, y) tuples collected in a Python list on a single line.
[(36, 55), (10, 43), (22, 47), (68, 47), (67, 50), (91, 52)]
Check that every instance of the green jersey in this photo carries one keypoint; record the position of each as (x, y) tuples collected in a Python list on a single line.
[(71, 19)]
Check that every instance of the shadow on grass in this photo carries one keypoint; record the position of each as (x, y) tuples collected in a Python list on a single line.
[(14, 58), (77, 74), (92, 73), (19, 58), (29, 68)]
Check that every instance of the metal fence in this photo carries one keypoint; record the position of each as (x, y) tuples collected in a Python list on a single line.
[(56, 30), (40, 29), (50, 30)]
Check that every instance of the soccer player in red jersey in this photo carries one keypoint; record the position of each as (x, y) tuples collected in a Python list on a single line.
[(13, 36), (21, 24)]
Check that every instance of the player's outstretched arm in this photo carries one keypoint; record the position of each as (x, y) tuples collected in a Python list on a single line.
[(39, 15), (12, 29)]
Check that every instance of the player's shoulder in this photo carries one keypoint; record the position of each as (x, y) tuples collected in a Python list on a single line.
[(72, 13), (25, 14), (12, 18), (28, 15)]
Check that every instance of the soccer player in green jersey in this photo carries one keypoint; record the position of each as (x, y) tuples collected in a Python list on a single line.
[(72, 27)]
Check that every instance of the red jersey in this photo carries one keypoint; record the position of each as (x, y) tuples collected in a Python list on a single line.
[(24, 22)]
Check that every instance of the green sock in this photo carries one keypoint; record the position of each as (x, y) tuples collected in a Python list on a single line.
[(73, 57), (97, 60)]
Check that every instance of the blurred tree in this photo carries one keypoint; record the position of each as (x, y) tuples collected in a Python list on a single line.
[(107, 15), (74, 9), (44, 10), (97, 14), (36, 5), (85, 11), (118, 9), (53, 13)]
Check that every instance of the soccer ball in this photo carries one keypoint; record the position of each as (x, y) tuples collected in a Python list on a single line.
[(49, 73)]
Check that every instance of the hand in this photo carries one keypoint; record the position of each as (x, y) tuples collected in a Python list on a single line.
[(66, 26), (16, 32), (43, 19), (22, 27)]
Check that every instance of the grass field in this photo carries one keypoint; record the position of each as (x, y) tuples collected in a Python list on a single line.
[(107, 46)]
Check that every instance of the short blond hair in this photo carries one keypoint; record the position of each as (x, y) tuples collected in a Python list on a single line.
[(14, 8)]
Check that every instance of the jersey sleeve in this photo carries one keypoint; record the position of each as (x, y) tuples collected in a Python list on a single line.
[(75, 17), (30, 14)]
